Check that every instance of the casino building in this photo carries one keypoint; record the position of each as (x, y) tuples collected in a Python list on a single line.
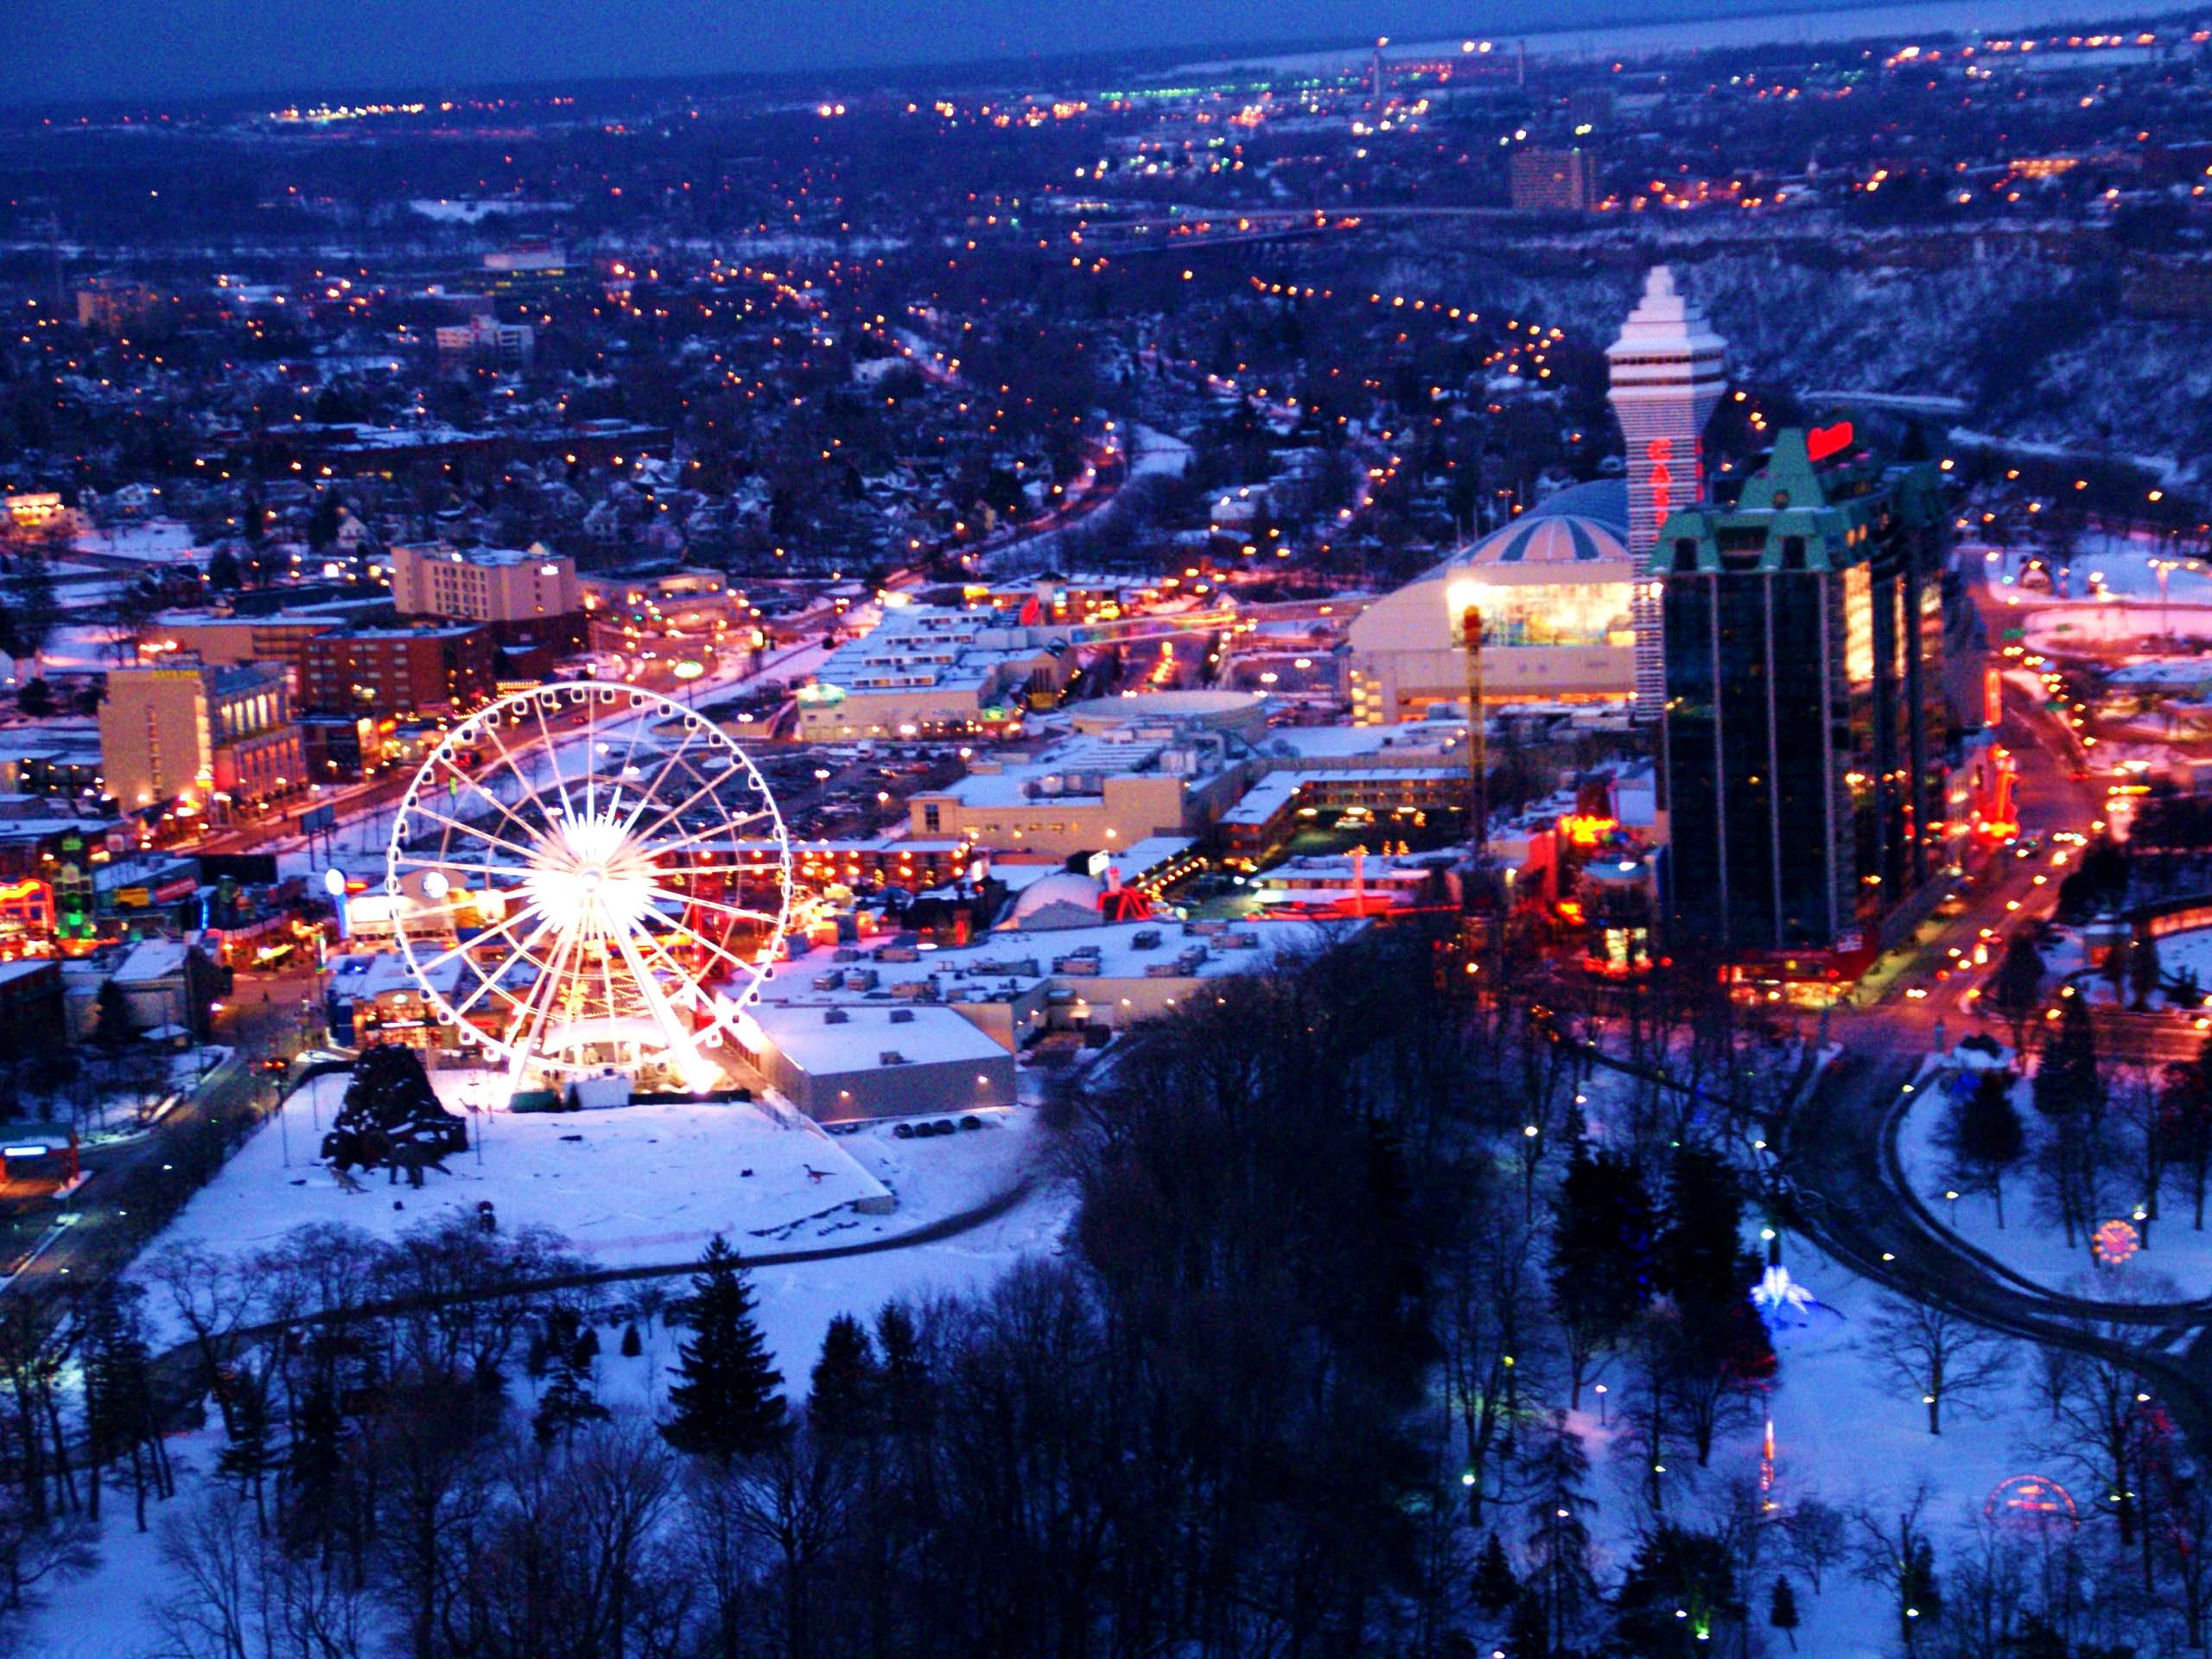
[(1555, 589)]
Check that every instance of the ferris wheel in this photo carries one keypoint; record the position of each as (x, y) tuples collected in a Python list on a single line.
[(584, 875)]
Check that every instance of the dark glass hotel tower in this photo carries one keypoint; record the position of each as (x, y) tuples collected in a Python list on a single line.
[(1805, 741)]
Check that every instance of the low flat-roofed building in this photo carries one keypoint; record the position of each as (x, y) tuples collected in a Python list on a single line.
[(1088, 794), (1270, 812), (678, 601), (929, 668), (844, 1061), (891, 860)]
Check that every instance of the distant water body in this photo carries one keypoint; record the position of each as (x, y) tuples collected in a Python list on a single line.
[(1901, 24)]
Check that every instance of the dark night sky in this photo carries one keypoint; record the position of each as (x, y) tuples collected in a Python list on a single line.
[(75, 51)]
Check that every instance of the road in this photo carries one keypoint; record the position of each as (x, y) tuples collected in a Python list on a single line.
[(1841, 1180), (134, 1186)]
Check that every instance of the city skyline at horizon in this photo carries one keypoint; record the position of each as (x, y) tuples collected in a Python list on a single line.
[(186, 50)]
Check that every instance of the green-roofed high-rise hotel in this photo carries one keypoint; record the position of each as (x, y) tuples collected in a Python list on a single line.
[(1806, 744)]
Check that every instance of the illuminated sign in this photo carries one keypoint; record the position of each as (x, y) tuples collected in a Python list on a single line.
[(2034, 1499), (1659, 452), (1587, 828), (1825, 440), (2114, 1242)]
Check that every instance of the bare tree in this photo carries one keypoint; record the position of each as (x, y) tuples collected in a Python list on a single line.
[(1934, 1352), (1817, 1538), (1896, 1554), (794, 1501), (37, 1552), (233, 1592), (2103, 1421)]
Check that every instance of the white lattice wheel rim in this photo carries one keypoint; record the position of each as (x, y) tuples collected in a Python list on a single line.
[(642, 862)]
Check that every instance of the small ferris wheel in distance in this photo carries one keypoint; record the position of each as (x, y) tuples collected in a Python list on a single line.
[(586, 875)]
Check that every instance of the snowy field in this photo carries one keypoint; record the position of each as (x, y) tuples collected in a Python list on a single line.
[(795, 1305), (1851, 1432), (2033, 1248), (626, 1185)]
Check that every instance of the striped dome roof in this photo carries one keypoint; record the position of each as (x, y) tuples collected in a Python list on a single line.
[(1550, 538)]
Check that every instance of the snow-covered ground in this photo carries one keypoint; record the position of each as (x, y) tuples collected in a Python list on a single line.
[(151, 540), (2031, 1246), (794, 1304), (1853, 1434), (626, 1185)]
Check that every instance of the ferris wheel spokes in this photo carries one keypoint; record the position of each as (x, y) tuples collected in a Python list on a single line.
[(607, 952)]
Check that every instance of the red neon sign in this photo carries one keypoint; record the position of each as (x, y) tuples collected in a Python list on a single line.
[(1825, 440), (1658, 452)]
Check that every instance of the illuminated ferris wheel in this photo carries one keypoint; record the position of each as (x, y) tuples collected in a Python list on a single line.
[(584, 876)]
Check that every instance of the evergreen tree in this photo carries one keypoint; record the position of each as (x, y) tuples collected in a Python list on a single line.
[(1679, 1588), (632, 1343), (2066, 1083), (1700, 1248), (907, 1392), (1984, 1137), (568, 1403), (2143, 970), (2015, 991), (842, 1393), (391, 1117), (31, 611), (1782, 1611), (119, 1395), (1719, 1350), (1526, 1637), (1496, 1588), (2069, 1095), (316, 1460), (727, 1402), (1601, 1269), (1558, 1537), (113, 1026)]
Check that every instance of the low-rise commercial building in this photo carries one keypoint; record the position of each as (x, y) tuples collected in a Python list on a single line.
[(929, 668), (846, 1061), (1555, 590), (1088, 793)]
